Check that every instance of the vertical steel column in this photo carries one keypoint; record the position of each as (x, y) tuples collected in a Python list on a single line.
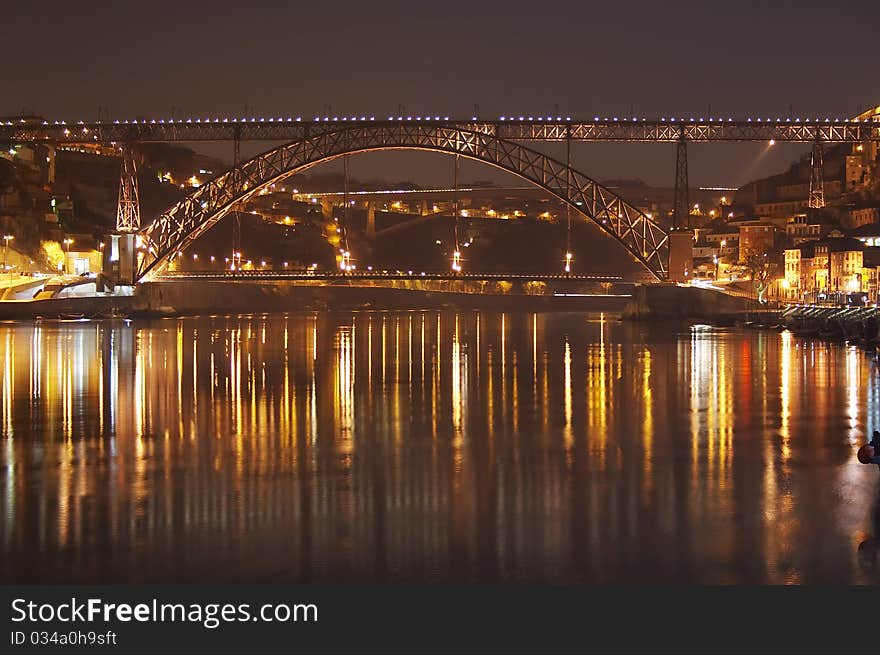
[(817, 178), (128, 212), (346, 255), (681, 215), (456, 253), (236, 185), (568, 254)]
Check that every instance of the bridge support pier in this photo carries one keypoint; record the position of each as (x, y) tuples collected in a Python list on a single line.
[(120, 258), (127, 258), (681, 255)]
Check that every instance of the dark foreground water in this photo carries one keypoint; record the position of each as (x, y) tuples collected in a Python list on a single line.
[(432, 446)]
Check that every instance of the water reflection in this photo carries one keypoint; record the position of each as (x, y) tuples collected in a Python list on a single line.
[(431, 446)]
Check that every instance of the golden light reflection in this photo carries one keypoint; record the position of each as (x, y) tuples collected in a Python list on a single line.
[(254, 445), (647, 419), (345, 376), (567, 434), (785, 370), (599, 370), (852, 393), (459, 386), (8, 385)]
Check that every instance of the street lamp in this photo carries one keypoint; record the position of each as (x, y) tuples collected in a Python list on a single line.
[(456, 261), (7, 238), (568, 257), (67, 243)]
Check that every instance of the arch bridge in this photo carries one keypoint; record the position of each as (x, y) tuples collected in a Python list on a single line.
[(495, 142), (174, 230)]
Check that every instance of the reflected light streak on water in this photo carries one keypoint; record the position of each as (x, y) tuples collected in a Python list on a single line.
[(430, 446)]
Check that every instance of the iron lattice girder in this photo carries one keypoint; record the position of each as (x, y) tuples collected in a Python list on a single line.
[(661, 131), (177, 228), (681, 216), (817, 179), (128, 218)]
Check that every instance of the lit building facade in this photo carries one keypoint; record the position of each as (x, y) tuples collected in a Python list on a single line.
[(756, 239)]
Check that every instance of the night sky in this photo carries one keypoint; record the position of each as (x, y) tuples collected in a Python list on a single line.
[(67, 59)]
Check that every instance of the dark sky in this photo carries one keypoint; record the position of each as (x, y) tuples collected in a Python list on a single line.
[(66, 59)]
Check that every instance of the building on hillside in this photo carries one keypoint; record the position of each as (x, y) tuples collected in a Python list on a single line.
[(857, 217), (817, 270), (855, 172), (800, 228), (837, 265), (801, 191), (870, 149), (756, 239), (871, 273), (846, 269), (799, 280), (780, 209)]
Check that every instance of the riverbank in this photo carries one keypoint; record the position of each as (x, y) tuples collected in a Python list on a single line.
[(195, 297), (685, 303), (856, 325)]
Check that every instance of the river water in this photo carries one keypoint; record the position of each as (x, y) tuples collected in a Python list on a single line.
[(432, 446)]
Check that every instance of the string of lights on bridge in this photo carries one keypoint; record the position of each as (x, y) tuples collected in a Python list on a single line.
[(429, 118)]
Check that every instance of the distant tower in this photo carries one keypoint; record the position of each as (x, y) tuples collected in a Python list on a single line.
[(817, 179)]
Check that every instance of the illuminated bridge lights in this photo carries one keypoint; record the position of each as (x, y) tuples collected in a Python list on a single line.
[(518, 127), (313, 274)]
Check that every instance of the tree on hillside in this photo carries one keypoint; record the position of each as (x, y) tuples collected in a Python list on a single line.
[(762, 270)]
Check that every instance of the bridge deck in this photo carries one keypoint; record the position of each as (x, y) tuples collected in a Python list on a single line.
[(514, 128), (379, 275)]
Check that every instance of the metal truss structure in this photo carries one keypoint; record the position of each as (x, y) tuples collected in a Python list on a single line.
[(681, 216), (817, 179), (128, 213), (512, 129), (173, 231)]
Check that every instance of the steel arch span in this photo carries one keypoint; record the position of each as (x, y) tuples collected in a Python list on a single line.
[(174, 230)]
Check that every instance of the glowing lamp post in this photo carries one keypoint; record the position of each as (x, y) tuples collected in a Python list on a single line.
[(67, 243), (345, 264), (456, 261), (6, 238), (568, 257)]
